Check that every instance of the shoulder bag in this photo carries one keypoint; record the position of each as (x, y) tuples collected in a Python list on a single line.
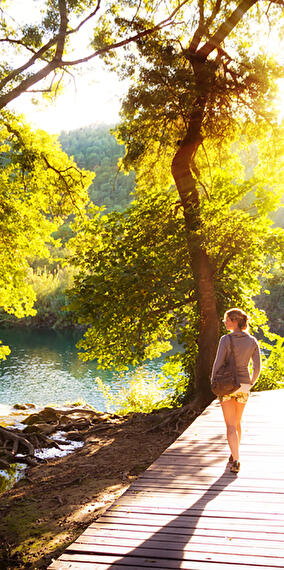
[(226, 381)]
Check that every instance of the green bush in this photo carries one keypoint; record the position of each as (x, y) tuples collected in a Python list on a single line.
[(145, 393), (272, 374), (49, 287)]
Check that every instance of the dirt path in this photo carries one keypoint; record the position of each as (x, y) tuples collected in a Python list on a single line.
[(57, 500)]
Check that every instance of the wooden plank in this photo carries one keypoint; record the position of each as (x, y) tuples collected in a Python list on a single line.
[(208, 523), (227, 494), (176, 510), (80, 562), (273, 539), (214, 507), (205, 482), (198, 455), (199, 472), (202, 464), (170, 542), (239, 486), (199, 553)]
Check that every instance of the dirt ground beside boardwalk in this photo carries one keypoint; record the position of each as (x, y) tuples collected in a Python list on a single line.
[(57, 500)]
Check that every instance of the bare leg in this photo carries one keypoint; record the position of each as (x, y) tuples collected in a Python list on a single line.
[(239, 410), (232, 412)]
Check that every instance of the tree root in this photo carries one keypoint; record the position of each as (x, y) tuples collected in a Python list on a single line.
[(4, 464), (13, 441), (19, 446), (178, 418), (55, 416), (15, 448)]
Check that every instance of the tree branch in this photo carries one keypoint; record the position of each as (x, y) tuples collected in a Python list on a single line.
[(225, 262), (27, 83), (225, 29), (63, 179), (214, 13), (39, 54), (199, 30), (28, 64), (57, 62), (195, 171), (74, 30), (166, 22), (62, 31), (208, 163)]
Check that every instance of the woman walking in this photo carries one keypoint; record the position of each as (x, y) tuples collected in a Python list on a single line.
[(246, 348)]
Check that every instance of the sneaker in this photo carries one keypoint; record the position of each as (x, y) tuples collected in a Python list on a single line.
[(235, 467), (230, 460)]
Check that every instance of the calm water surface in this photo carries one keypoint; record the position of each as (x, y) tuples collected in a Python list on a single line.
[(43, 368)]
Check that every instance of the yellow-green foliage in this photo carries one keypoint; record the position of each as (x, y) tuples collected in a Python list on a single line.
[(272, 374), (4, 351), (47, 283), (146, 392), (39, 188)]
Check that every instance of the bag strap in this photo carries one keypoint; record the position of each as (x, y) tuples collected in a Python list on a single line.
[(233, 353)]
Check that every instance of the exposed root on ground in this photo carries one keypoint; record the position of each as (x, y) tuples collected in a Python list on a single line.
[(80, 423), (12, 443), (20, 446), (175, 419)]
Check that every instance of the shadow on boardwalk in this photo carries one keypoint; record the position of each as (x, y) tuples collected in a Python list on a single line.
[(169, 541)]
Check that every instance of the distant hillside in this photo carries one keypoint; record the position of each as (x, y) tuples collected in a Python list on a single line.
[(95, 149)]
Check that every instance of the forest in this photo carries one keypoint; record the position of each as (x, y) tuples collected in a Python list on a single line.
[(94, 148)]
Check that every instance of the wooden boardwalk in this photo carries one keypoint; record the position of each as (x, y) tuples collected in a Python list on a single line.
[(189, 511)]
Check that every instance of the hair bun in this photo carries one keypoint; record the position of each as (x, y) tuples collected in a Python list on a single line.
[(238, 315)]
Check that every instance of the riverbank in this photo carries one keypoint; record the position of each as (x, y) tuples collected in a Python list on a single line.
[(57, 500)]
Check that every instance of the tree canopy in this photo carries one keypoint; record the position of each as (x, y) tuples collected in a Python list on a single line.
[(198, 89), (40, 187), (135, 289)]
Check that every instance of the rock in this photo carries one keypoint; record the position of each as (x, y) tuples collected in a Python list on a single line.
[(46, 429), (32, 429), (24, 406), (48, 415)]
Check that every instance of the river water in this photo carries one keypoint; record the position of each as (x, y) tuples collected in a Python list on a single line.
[(44, 369)]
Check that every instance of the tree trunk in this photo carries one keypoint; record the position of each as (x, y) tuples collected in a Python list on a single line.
[(204, 73), (201, 267)]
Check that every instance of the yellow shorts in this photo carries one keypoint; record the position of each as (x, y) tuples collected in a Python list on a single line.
[(241, 397)]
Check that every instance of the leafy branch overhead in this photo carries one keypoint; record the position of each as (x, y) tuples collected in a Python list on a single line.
[(47, 45), (40, 187), (37, 56)]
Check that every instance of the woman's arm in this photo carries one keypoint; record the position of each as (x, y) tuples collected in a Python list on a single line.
[(220, 356), (256, 363)]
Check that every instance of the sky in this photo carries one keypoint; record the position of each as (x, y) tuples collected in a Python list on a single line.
[(90, 97), (86, 102)]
